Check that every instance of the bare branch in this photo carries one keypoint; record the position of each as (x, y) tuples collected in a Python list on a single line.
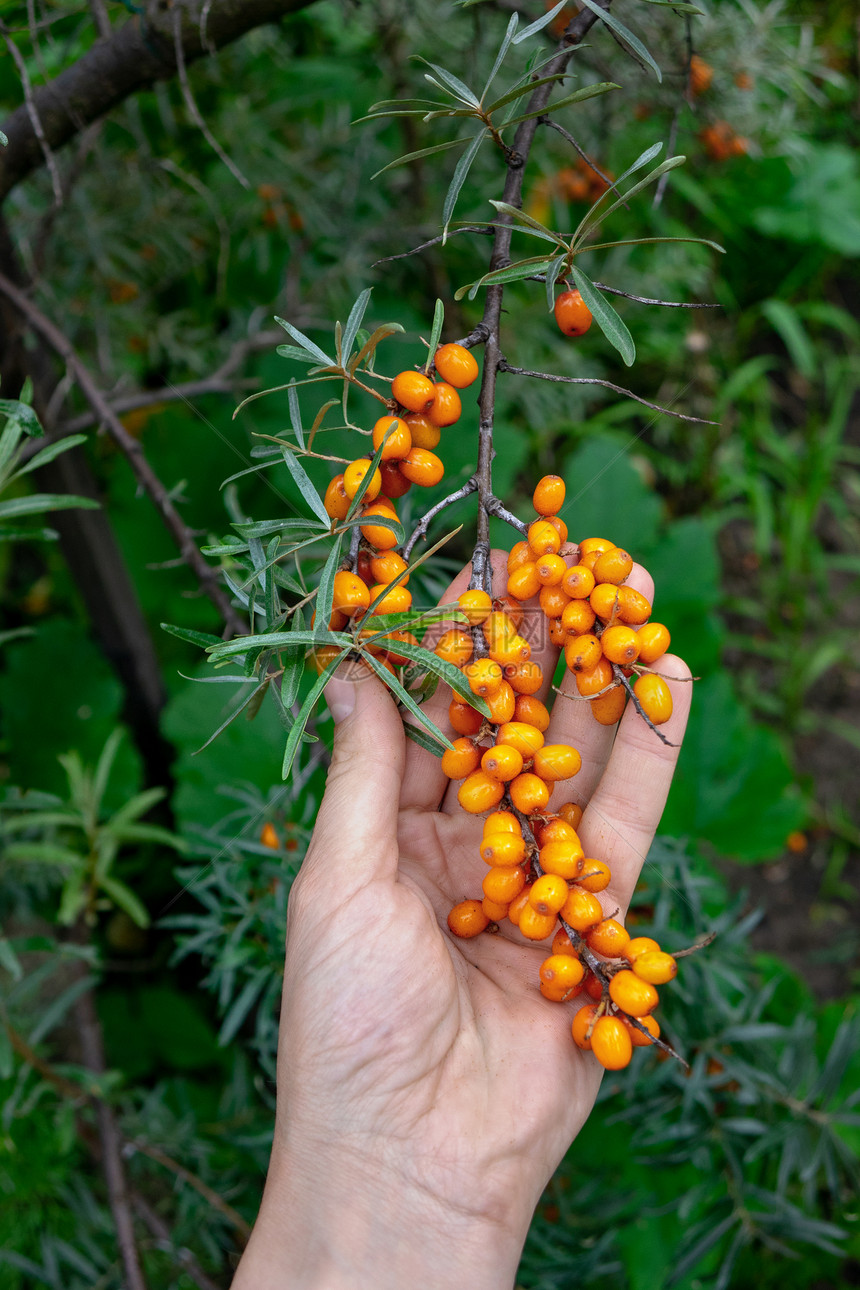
[(194, 111), (33, 115), (495, 507), (485, 229), (648, 300), (505, 366), (421, 527), (566, 135), (133, 451)]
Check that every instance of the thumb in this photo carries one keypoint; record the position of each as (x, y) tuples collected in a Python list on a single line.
[(355, 839)]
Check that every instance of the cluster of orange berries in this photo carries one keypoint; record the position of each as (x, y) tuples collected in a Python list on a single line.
[(420, 409), (721, 142)]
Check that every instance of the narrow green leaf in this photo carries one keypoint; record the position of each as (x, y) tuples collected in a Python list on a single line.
[(203, 639), (28, 535), (606, 318), (539, 23), (306, 343), (354, 321), (23, 415), (252, 470), (48, 454), (265, 528), (273, 604), (579, 96), (420, 152), (44, 853), (40, 502), (503, 49), (446, 672), (378, 521), (325, 591), (40, 820), (15, 633), (276, 641), (436, 331), (403, 697), (513, 273), (231, 718), (631, 43), (306, 488), (423, 739), (125, 898), (528, 222), (369, 346), (295, 414), (552, 273), (147, 833), (461, 170), (452, 83), (518, 91), (294, 737), (138, 806), (679, 7), (105, 765), (9, 960)]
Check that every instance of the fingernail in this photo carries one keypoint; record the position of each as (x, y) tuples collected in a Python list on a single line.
[(340, 697)]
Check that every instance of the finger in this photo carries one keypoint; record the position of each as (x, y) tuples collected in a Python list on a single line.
[(355, 838), (622, 817), (573, 723)]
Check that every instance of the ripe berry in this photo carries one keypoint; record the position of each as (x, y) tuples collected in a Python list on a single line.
[(582, 1028), (611, 1043), (537, 927), (578, 617), (557, 761), (596, 875), (520, 554), (561, 977), (424, 433), (446, 406), (502, 763), (476, 605), (595, 680), (548, 894), (518, 734), (633, 608), (336, 501), (376, 534), (594, 545), (548, 496), (557, 634), (269, 836), (501, 704), (572, 313), (550, 570), (387, 567), (608, 938), (503, 848), (502, 822), (554, 829), (613, 566), (651, 1024), (422, 467), (655, 966), (354, 475), (578, 582), (413, 391), (504, 884), (479, 793), (494, 910), (701, 75), (654, 640), (468, 919), (638, 945), (394, 482), (484, 676), (464, 719), (532, 712), (511, 648), (582, 653), (571, 813), (620, 644), (631, 994), (461, 760), (454, 646), (553, 600), (655, 697), (395, 600), (524, 582), (609, 708), (456, 365), (544, 538), (559, 526), (604, 600), (396, 435), (562, 944), (565, 860), (515, 910), (582, 911), (523, 678), (529, 793)]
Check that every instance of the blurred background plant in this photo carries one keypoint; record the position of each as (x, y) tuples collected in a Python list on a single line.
[(146, 1033)]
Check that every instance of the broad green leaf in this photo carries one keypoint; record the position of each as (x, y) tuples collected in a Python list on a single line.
[(295, 735), (503, 49), (306, 343), (418, 154), (579, 96), (631, 43), (44, 455), (403, 697), (539, 23), (353, 322), (40, 502), (605, 316), (204, 639), (461, 170), (306, 488), (435, 331), (125, 898)]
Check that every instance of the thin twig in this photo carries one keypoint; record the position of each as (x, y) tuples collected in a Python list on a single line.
[(648, 300), (420, 529), (638, 706), (243, 1229), (495, 507), (191, 103), (565, 134), (182, 535), (485, 229), (160, 1233), (33, 114), (609, 385)]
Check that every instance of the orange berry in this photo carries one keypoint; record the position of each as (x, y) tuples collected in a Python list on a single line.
[(631, 994), (394, 482), (609, 708), (393, 653), (620, 645), (479, 793), (501, 704), (633, 608), (395, 432), (588, 546), (520, 554), (548, 894), (596, 875), (559, 526), (378, 536), (502, 762), (269, 837), (554, 829), (446, 406), (578, 617), (561, 977), (510, 648), (494, 910), (582, 653), (461, 760), (578, 582), (502, 822), (563, 859), (454, 646), (553, 600), (513, 611), (529, 793), (424, 433), (655, 966), (464, 718), (608, 938), (456, 365), (572, 313), (550, 570), (503, 849), (562, 944), (524, 582), (593, 986), (349, 593), (613, 566), (639, 945), (531, 711), (354, 475), (498, 627), (654, 640), (582, 911), (537, 927), (413, 391), (583, 1026), (557, 634), (388, 566), (701, 75), (336, 501), (604, 600), (655, 697), (611, 1043), (637, 1039), (395, 600), (548, 497), (596, 679), (484, 676), (518, 734), (524, 678), (517, 906), (571, 813), (557, 761), (544, 538), (468, 919), (504, 884), (422, 467), (320, 658), (476, 605)]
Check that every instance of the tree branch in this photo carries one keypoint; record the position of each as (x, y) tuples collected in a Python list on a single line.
[(132, 58), (133, 451)]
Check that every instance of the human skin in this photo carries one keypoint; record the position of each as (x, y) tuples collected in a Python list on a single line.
[(426, 1090)]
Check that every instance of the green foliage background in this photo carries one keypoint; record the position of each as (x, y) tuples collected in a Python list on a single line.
[(749, 526)]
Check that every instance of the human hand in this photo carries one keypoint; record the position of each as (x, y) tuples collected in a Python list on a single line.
[(426, 1090)]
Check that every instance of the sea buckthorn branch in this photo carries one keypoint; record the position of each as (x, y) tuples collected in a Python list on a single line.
[(423, 524), (608, 385)]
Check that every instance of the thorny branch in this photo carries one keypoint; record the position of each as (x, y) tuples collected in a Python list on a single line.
[(182, 535)]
